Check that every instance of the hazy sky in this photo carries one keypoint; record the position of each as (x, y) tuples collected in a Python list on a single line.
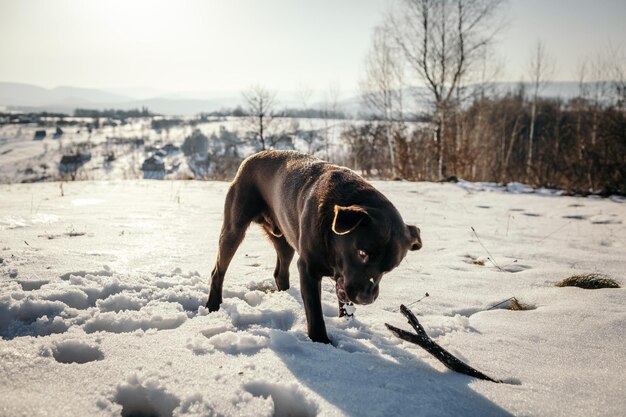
[(227, 45)]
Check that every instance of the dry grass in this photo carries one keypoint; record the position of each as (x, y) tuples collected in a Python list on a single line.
[(592, 281), (512, 304), (474, 260), (515, 305), (265, 287)]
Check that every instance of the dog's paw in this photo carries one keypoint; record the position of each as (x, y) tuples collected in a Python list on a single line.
[(213, 306), (320, 339)]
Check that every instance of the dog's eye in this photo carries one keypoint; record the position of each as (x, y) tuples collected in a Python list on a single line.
[(363, 255)]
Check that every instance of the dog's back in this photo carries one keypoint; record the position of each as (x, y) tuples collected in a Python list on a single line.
[(275, 185)]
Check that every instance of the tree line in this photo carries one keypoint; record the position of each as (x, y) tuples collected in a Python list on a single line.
[(473, 131), (114, 113)]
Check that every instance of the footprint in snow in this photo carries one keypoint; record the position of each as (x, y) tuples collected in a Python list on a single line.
[(515, 267), (575, 217), (76, 351), (532, 214), (607, 221)]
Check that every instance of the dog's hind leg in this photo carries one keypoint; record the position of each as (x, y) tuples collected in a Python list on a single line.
[(284, 255), (238, 214)]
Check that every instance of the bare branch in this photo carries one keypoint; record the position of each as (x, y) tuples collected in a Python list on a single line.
[(421, 339)]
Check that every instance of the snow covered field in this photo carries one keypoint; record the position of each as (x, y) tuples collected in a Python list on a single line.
[(117, 152), (102, 293)]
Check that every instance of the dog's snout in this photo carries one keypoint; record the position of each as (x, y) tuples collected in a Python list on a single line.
[(416, 239), (364, 295), (364, 299)]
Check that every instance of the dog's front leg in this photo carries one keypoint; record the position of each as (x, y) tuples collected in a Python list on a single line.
[(311, 288)]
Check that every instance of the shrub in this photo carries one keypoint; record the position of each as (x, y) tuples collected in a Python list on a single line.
[(592, 281)]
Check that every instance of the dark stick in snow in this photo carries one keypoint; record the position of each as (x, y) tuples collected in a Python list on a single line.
[(424, 341)]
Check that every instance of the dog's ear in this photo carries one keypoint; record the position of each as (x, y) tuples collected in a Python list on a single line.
[(347, 219), (416, 240)]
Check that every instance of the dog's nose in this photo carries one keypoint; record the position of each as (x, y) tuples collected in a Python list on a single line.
[(363, 300), (367, 296)]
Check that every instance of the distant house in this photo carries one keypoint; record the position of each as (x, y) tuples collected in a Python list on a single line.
[(70, 163), (58, 133), (170, 149), (153, 168), (39, 135)]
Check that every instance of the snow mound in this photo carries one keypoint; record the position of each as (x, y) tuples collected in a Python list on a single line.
[(235, 343), (244, 316), (101, 301), (288, 400), (120, 302), (30, 285), (152, 317), (145, 397)]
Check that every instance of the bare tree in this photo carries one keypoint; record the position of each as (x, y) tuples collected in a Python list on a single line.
[(619, 78), (583, 91), (260, 107), (308, 134), (441, 40), (540, 69), (487, 70), (381, 88), (331, 107)]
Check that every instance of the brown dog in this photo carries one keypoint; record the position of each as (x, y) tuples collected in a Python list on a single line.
[(340, 225)]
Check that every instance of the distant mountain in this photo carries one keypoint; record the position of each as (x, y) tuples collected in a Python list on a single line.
[(65, 99), (139, 93), (180, 106), (28, 97), (18, 94), (555, 89)]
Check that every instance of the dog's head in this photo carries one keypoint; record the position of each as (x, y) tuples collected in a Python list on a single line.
[(368, 242)]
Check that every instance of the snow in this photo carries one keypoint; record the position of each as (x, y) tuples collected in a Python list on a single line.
[(118, 152), (111, 321)]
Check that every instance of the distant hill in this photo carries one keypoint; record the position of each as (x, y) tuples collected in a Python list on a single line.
[(18, 94), (65, 99)]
